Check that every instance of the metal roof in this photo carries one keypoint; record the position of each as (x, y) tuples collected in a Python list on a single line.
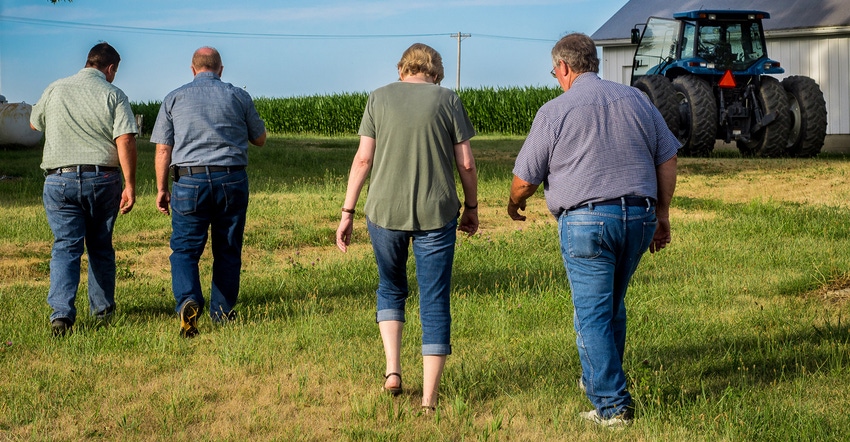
[(784, 14)]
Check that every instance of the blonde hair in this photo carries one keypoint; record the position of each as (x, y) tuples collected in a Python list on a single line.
[(421, 58)]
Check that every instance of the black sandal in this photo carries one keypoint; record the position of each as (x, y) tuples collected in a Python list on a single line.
[(395, 391)]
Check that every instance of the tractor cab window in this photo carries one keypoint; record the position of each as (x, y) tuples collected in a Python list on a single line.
[(734, 46), (688, 40), (658, 46)]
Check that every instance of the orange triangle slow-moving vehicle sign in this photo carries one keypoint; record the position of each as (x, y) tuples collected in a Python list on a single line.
[(728, 81)]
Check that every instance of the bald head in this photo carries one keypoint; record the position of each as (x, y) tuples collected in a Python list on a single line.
[(206, 59)]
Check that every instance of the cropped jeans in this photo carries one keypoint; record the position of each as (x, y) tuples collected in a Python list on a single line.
[(601, 247), (203, 205), (81, 208), (434, 252)]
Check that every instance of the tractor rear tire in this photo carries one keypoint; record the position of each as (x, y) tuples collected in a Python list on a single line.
[(662, 94), (698, 116), (771, 140), (808, 116)]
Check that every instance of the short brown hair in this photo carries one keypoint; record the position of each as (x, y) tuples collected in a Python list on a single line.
[(578, 51), (421, 58), (102, 55), (206, 59)]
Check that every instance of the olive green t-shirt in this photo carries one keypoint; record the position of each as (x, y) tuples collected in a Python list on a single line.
[(415, 127)]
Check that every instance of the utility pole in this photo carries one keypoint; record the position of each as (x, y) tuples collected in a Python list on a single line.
[(459, 36)]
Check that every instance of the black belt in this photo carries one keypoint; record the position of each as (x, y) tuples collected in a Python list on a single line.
[(81, 168), (195, 170), (630, 200)]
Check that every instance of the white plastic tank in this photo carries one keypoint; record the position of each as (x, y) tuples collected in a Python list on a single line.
[(15, 124)]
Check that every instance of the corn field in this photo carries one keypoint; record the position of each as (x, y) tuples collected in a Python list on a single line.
[(497, 111)]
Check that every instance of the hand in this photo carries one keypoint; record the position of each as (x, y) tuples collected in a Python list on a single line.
[(662, 235), (514, 208), (163, 200), (343, 232), (469, 221), (128, 200)]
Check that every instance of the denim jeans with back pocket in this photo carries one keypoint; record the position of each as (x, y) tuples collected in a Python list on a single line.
[(601, 248)]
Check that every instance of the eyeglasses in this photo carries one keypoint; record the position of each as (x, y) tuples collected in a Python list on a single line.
[(552, 73)]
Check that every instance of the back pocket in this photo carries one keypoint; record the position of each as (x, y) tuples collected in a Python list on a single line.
[(584, 239), (184, 198)]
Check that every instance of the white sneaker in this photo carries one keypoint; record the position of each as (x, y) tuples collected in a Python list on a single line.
[(618, 421)]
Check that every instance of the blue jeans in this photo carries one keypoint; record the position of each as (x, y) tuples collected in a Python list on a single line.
[(211, 204), (601, 248), (434, 251), (81, 210)]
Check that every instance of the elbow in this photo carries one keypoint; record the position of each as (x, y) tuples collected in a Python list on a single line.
[(362, 163), (467, 168), (259, 141)]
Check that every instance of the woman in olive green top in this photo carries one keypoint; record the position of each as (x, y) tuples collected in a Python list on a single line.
[(413, 135)]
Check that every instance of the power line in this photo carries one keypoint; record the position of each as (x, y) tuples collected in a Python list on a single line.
[(146, 30), (68, 24), (504, 37)]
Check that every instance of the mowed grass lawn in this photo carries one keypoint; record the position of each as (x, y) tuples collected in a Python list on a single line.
[(738, 330)]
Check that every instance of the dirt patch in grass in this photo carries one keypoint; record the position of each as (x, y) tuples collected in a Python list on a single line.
[(736, 180), (836, 292), (29, 263)]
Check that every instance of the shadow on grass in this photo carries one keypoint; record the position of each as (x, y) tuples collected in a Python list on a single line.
[(687, 373)]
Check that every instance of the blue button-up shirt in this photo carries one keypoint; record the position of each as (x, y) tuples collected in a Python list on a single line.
[(597, 141), (208, 123)]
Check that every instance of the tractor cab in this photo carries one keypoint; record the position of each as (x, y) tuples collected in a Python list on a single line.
[(708, 73), (704, 43)]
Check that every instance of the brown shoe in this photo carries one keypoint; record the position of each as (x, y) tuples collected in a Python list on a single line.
[(61, 326)]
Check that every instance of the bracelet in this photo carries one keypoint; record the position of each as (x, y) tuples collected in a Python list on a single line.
[(351, 211), (468, 207)]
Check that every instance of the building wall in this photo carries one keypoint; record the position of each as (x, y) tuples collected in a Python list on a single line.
[(824, 59)]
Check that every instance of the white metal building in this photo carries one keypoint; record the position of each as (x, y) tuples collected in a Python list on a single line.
[(807, 37)]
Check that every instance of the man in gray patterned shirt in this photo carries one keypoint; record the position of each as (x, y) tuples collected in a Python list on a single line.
[(608, 164)]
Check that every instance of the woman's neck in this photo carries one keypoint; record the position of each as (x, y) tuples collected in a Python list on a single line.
[(419, 78)]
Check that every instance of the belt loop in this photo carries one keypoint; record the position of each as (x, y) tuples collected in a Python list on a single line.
[(207, 169), (189, 168), (590, 206), (79, 171), (96, 168)]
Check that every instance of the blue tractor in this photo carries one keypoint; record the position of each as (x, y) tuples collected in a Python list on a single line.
[(708, 73)]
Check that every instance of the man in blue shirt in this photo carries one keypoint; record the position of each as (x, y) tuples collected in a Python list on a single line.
[(202, 133), (608, 164)]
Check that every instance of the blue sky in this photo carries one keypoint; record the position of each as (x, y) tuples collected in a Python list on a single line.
[(286, 48)]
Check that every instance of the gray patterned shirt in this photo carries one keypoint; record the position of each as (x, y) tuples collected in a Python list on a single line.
[(597, 141), (81, 116)]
